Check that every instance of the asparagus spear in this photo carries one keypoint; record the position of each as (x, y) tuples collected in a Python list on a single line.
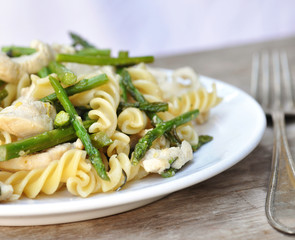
[(203, 139), (78, 40), (92, 60), (44, 72), (3, 94), (174, 140), (80, 130), (145, 106), (94, 52), (146, 141), (83, 85), (123, 54), (62, 119), (170, 172), (65, 75), (100, 140), (123, 91), (39, 142), (13, 51)]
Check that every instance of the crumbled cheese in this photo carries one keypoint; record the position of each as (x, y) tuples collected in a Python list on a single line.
[(157, 160)]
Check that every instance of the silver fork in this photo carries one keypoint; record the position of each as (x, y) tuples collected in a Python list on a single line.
[(276, 98)]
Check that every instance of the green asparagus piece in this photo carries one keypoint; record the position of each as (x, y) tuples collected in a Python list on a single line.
[(13, 51), (123, 91), (123, 54), (100, 140), (62, 119), (94, 52), (78, 40), (65, 75), (92, 60), (2, 83), (39, 142), (146, 141), (44, 72), (145, 106), (136, 94), (83, 85), (3, 94), (170, 172), (81, 132), (203, 139)]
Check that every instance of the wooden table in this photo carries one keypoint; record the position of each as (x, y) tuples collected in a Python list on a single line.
[(227, 206)]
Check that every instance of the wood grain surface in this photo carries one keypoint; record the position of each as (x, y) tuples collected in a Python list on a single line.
[(227, 206)]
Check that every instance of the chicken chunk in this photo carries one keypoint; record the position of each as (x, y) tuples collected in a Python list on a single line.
[(9, 70), (39, 160), (157, 160), (34, 62), (12, 69), (26, 118)]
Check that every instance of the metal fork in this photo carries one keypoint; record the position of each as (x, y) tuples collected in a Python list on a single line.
[(275, 94)]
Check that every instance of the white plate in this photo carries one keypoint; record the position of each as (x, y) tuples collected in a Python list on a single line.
[(237, 126)]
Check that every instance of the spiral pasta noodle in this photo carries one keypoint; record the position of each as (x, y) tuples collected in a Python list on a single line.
[(104, 104), (11, 89), (6, 137), (145, 82), (200, 99), (86, 183), (49, 179), (188, 132), (120, 144), (132, 120)]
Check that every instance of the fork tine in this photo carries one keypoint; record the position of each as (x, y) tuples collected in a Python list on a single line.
[(276, 80), (287, 80), (265, 79), (255, 75)]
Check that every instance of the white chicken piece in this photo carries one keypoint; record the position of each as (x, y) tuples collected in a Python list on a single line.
[(26, 118), (6, 192), (34, 62), (39, 160), (12, 69), (157, 160), (9, 70)]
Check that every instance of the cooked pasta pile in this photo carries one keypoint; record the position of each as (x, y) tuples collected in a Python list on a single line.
[(67, 165)]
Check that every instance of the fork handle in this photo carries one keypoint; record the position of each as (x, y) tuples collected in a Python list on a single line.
[(281, 162)]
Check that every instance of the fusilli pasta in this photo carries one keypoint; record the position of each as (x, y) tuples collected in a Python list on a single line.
[(104, 104), (132, 120), (88, 182), (45, 173), (49, 179)]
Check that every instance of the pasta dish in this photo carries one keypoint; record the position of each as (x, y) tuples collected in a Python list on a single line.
[(73, 117)]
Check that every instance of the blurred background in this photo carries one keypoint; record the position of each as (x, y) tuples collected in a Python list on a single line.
[(158, 27)]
